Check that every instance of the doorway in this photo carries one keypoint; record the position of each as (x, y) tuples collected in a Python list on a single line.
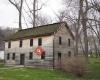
[(22, 59)]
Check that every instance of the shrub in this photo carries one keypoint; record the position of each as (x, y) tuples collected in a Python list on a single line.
[(75, 65)]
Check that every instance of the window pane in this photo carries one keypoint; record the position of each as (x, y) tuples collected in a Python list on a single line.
[(9, 44), (21, 42), (13, 56), (43, 55), (39, 41), (8, 56), (31, 42), (69, 53), (68, 42), (60, 40), (30, 55)]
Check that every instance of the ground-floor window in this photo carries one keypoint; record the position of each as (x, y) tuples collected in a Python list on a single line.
[(69, 53), (8, 56), (59, 55), (43, 55), (13, 56), (30, 55)]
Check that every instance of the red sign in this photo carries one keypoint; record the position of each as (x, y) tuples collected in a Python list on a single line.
[(39, 51)]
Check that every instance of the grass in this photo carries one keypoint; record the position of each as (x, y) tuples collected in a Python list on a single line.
[(94, 67), (33, 74), (1, 65), (45, 74)]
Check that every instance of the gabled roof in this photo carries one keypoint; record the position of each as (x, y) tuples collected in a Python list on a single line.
[(43, 30)]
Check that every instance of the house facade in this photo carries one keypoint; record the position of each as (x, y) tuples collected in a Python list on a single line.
[(42, 46)]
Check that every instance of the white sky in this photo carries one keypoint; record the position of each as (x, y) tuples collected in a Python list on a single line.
[(9, 14)]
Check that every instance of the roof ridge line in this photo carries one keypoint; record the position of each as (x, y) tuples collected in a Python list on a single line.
[(42, 26)]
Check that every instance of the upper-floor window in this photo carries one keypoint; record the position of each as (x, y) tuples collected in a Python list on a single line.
[(69, 42), (9, 44), (31, 42), (39, 41), (60, 40), (20, 43), (30, 55), (8, 56), (13, 56)]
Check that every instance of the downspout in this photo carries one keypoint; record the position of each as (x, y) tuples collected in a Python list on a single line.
[(53, 54), (4, 55)]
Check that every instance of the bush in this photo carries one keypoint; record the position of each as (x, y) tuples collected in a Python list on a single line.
[(75, 65)]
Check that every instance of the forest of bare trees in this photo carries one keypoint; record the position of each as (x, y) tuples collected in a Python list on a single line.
[(4, 33), (83, 17)]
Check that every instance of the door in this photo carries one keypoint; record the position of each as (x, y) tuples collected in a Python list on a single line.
[(22, 59)]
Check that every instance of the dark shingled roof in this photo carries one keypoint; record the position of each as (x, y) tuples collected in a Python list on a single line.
[(44, 30)]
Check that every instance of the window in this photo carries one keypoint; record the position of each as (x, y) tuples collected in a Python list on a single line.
[(8, 56), (60, 40), (30, 55), (43, 55), (69, 53), (59, 55), (31, 42), (21, 42), (39, 41), (9, 44), (13, 56), (68, 42)]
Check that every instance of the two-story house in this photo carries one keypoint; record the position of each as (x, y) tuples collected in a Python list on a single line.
[(41, 46)]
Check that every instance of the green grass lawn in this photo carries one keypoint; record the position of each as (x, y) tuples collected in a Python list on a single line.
[(94, 67), (45, 74), (33, 74)]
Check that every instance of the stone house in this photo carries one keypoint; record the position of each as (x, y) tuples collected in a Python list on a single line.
[(42, 46)]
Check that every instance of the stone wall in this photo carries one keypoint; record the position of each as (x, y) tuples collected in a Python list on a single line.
[(63, 48), (51, 46), (47, 45)]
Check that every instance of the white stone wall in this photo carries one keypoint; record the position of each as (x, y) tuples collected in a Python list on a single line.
[(47, 45)]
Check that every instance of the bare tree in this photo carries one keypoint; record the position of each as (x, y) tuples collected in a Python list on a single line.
[(18, 5)]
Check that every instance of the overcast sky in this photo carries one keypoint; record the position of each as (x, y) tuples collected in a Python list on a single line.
[(9, 14)]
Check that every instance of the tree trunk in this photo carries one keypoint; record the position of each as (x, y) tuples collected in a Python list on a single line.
[(84, 25), (34, 12)]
